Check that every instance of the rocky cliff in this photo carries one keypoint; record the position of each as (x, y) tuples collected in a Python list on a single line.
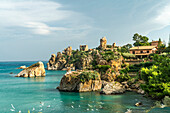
[(35, 70), (84, 59), (107, 61), (81, 81)]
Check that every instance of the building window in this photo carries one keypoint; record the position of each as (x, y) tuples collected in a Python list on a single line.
[(141, 51), (147, 51), (133, 52)]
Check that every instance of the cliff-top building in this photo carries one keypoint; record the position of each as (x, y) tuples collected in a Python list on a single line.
[(144, 51), (83, 47), (155, 43)]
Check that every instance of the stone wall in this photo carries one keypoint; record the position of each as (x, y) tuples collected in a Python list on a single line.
[(83, 47)]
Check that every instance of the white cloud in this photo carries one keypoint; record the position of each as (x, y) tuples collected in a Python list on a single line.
[(33, 15), (163, 17), (42, 29)]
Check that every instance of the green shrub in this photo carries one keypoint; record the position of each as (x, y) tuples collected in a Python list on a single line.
[(86, 76), (34, 65), (128, 55), (123, 77), (109, 46), (157, 77)]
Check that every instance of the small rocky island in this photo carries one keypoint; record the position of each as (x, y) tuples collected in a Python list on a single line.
[(35, 70), (81, 81), (97, 69)]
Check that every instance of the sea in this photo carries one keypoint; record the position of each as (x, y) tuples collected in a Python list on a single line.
[(39, 95)]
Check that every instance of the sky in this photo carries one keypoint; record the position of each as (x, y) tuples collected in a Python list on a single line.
[(32, 30)]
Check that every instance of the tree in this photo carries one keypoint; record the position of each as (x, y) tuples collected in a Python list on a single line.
[(140, 40), (125, 48), (157, 78), (159, 42)]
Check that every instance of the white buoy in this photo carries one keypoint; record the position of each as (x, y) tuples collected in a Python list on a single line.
[(87, 109), (72, 106), (19, 111), (40, 110), (79, 106)]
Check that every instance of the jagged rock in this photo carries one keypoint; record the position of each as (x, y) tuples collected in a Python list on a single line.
[(110, 75), (72, 81), (103, 43), (51, 62), (84, 59), (140, 91), (59, 55), (125, 84), (102, 62), (22, 67), (52, 59), (35, 70), (84, 62), (68, 51), (138, 104), (116, 64), (112, 88)]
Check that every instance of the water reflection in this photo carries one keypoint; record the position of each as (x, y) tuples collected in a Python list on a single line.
[(36, 79)]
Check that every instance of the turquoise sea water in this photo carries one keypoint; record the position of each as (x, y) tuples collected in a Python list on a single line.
[(41, 95)]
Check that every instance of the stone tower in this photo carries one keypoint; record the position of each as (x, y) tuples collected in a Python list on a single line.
[(83, 47), (114, 45), (103, 43)]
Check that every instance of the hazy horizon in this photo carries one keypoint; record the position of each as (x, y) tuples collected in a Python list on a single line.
[(33, 30)]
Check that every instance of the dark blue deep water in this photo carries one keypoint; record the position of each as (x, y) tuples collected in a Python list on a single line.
[(40, 95)]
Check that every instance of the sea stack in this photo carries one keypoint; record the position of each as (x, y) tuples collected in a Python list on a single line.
[(81, 81), (35, 70)]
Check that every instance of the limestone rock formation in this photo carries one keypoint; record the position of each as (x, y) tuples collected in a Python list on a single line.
[(103, 43), (22, 67), (110, 75), (35, 70), (51, 61), (85, 59), (79, 81), (112, 88), (68, 51)]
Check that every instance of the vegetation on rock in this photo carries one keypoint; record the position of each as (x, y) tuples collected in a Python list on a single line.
[(86, 76)]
